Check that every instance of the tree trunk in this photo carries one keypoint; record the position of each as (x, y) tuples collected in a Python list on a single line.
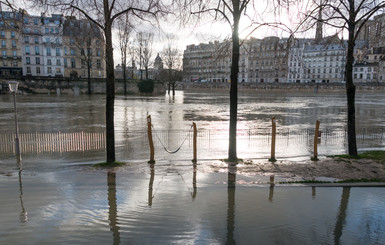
[(234, 86), (173, 88), (110, 92), (350, 93), (125, 79), (89, 79), (146, 68)]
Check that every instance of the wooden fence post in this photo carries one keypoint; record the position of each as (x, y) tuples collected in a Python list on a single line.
[(273, 135), (195, 143), (315, 157), (151, 143)]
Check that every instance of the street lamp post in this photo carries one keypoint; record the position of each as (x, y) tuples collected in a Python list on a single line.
[(13, 86)]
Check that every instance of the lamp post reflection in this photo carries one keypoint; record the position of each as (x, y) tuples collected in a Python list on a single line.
[(112, 212), (23, 214), (231, 178), (150, 185)]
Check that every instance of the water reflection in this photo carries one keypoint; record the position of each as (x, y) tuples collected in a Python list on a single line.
[(271, 189), (113, 210), (231, 181), (23, 214), (341, 217), (194, 194), (150, 185)]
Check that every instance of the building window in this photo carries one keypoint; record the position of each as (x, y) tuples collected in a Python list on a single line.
[(46, 31), (98, 64), (28, 70), (49, 70), (48, 51), (13, 34), (36, 21), (58, 70), (65, 63), (3, 44), (15, 54), (37, 70), (57, 51), (98, 51), (27, 50), (72, 52), (73, 63), (58, 62), (65, 50), (26, 39), (27, 60), (49, 62), (4, 53), (13, 44), (36, 40), (2, 34), (37, 50)]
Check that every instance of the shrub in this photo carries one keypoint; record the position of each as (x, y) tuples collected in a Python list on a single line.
[(146, 86)]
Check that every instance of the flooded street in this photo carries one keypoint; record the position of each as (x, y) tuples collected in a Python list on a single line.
[(172, 203), (60, 198)]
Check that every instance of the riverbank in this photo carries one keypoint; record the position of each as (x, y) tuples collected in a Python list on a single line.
[(282, 87)]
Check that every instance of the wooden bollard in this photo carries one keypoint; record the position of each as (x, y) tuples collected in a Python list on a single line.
[(315, 157), (195, 143), (150, 142), (271, 179), (273, 135)]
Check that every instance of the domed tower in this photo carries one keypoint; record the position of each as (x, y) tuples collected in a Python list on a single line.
[(158, 64)]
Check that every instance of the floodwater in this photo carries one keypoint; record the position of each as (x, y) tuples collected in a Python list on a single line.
[(46, 121), (60, 198), (179, 204)]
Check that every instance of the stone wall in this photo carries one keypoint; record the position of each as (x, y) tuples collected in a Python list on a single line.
[(282, 87)]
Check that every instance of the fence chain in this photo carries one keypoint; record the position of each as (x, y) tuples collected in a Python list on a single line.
[(164, 147)]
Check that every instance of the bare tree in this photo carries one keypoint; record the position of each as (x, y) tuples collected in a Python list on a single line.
[(144, 49), (104, 13), (83, 44), (124, 30), (350, 16), (171, 59), (231, 12)]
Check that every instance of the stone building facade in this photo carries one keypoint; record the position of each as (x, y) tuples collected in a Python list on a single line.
[(11, 57)]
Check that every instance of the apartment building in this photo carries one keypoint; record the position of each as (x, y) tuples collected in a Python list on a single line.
[(10, 59), (261, 60), (49, 46), (83, 54)]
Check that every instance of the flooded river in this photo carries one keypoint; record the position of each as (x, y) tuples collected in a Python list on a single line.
[(59, 198), (46, 121)]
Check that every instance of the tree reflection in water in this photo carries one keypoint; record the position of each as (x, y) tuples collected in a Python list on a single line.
[(231, 177), (112, 212), (341, 218)]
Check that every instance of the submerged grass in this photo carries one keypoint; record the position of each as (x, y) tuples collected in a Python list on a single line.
[(109, 164), (329, 182), (378, 156)]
